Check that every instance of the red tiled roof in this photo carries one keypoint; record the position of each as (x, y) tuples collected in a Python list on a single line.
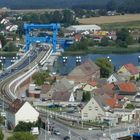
[(112, 103), (16, 105), (119, 97), (78, 37), (131, 68), (127, 87), (92, 83)]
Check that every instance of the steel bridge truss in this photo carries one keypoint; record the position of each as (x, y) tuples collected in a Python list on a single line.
[(35, 39)]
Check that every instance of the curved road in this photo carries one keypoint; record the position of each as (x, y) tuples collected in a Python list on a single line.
[(7, 76)]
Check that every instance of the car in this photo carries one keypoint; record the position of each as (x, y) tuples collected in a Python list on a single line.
[(66, 138), (56, 132)]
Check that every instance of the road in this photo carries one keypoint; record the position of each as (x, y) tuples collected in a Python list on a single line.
[(7, 76), (77, 134)]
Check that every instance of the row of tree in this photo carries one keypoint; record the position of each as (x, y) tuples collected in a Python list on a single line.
[(123, 6), (66, 17), (127, 6)]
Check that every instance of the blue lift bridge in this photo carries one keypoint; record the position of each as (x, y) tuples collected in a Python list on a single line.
[(29, 39)]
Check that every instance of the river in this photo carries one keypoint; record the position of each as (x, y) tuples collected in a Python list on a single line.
[(117, 60)]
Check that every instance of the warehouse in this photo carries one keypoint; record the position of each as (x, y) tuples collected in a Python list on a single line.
[(81, 28)]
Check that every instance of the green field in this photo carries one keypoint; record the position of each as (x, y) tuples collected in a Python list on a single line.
[(106, 50), (119, 25)]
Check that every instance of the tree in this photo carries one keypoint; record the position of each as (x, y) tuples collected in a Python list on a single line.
[(40, 77), (3, 40), (104, 41), (68, 17), (124, 38), (86, 96), (57, 16), (1, 135), (106, 67), (111, 5), (10, 47), (130, 106), (24, 127), (22, 136), (139, 40)]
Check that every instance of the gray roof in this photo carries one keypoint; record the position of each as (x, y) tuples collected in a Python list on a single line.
[(119, 77), (86, 68), (83, 27), (63, 85), (61, 96), (62, 90)]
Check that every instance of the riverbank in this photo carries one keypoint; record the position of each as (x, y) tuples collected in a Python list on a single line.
[(104, 50), (8, 54)]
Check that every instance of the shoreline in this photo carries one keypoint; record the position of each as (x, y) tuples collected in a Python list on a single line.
[(108, 50), (8, 54)]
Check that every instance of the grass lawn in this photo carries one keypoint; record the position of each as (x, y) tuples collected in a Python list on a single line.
[(8, 54), (55, 109)]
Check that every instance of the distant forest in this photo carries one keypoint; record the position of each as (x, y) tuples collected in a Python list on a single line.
[(132, 6)]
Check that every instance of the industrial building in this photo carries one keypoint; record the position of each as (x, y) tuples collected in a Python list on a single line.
[(82, 28)]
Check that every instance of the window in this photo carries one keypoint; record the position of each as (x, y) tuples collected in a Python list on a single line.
[(85, 114), (96, 107), (90, 108)]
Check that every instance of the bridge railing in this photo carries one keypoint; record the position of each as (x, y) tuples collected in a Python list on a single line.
[(26, 75), (58, 114)]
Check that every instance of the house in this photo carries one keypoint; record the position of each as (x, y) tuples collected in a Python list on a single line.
[(98, 109), (77, 37), (125, 115), (115, 78), (12, 28), (92, 110), (87, 71), (131, 70), (62, 90), (34, 91), (80, 28), (127, 89), (21, 111), (4, 21), (90, 86)]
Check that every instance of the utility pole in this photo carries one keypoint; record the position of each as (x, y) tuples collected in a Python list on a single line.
[(48, 125), (69, 134), (3, 104), (45, 130)]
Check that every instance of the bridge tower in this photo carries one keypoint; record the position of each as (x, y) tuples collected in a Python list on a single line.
[(35, 39)]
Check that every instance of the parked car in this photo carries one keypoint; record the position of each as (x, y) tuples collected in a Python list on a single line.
[(35, 130), (56, 132), (66, 138)]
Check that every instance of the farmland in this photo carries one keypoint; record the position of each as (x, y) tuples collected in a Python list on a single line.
[(110, 19)]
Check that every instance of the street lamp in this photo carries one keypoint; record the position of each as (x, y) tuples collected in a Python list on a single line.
[(2, 59)]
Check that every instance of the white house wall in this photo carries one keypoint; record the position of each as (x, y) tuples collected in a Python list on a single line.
[(89, 88), (111, 79), (92, 110), (26, 113)]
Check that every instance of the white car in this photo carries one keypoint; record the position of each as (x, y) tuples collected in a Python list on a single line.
[(56, 132)]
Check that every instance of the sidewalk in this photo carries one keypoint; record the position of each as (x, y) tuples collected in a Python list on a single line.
[(6, 133)]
